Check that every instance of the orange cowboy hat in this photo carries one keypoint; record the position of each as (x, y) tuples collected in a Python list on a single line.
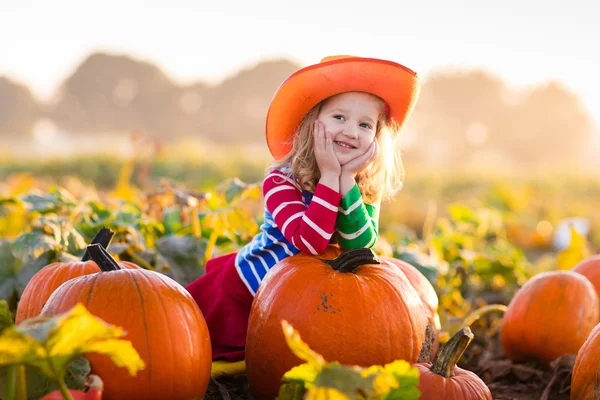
[(396, 84)]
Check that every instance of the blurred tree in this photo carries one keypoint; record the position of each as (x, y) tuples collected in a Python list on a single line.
[(549, 126), (19, 110)]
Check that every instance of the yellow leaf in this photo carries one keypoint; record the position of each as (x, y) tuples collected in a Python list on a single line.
[(253, 192), (372, 370), (16, 348), (384, 382), (215, 222), (223, 368), (305, 373), (575, 252), (51, 343), (324, 393), (121, 352), (301, 349), (76, 329)]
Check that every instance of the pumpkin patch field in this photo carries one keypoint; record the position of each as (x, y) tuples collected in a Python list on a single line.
[(479, 287)]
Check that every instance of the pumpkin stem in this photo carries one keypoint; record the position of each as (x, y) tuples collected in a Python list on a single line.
[(450, 352), (350, 260), (103, 237), (102, 258)]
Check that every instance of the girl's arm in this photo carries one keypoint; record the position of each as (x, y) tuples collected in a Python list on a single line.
[(358, 223), (310, 228)]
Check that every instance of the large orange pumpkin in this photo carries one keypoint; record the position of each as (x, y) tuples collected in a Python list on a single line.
[(550, 316), (585, 383), (162, 321), (590, 268), (46, 280), (423, 287), (353, 309), (443, 379)]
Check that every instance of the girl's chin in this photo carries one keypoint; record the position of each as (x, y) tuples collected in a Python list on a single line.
[(344, 157)]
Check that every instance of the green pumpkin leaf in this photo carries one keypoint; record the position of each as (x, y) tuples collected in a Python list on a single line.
[(407, 378), (100, 215), (42, 203), (63, 231), (125, 219), (77, 372), (8, 267), (6, 319), (39, 384), (291, 391), (172, 220), (31, 245), (28, 270), (184, 256), (234, 188), (55, 201), (347, 380)]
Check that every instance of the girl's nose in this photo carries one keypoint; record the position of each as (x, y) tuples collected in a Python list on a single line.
[(350, 132)]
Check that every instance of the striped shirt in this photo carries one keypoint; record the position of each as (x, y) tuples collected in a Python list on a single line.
[(297, 220)]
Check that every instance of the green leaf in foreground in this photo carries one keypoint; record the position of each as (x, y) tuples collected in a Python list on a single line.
[(331, 380)]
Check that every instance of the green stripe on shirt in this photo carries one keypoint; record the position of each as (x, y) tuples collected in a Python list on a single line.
[(357, 222)]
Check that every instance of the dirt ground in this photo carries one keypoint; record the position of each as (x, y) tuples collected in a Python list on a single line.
[(506, 380)]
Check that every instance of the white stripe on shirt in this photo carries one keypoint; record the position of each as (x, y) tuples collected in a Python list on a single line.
[(277, 189), (290, 219), (316, 228), (351, 208), (282, 205), (325, 204), (285, 177), (308, 246), (356, 234)]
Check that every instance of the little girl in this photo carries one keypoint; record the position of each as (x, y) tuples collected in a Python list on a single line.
[(330, 128)]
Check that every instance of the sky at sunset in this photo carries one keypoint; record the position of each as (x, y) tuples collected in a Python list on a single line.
[(523, 42)]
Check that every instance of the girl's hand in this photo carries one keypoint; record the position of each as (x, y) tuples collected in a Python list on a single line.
[(361, 162), (323, 147)]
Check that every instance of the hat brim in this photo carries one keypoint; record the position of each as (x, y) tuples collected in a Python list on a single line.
[(396, 84)]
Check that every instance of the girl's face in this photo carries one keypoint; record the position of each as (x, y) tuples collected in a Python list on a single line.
[(352, 119)]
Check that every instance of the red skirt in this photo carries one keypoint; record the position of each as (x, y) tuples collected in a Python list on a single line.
[(225, 302)]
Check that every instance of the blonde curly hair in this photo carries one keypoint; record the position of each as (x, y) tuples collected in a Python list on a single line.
[(381, 180)]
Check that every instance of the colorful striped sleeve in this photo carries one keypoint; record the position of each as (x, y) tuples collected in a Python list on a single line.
[(310, 228), (358, 223)]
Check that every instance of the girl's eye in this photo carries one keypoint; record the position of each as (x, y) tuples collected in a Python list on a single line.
[(340, 117), (367, 126)]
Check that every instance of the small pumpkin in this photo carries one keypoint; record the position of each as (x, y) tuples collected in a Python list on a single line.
[(550, 315), (353, 309), (443, 379), (585, 381), (162, 321), (46, 280), (590, 268)]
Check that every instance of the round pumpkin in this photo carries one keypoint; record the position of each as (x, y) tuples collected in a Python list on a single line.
[(550, 315), (162, 321), (354, 309), (443, 379), (590, 268), (46, 280), (423, 287), (585, 381)]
